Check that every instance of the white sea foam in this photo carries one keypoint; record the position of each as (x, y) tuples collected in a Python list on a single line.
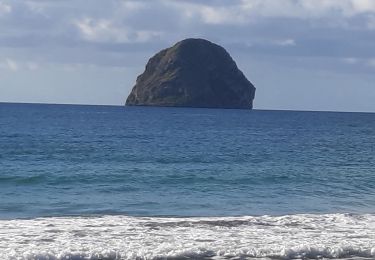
[(121, 237)]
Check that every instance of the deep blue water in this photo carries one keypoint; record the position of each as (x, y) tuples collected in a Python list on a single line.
[(60, 160)]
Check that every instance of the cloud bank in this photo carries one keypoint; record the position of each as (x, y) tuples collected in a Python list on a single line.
[(310, 26)]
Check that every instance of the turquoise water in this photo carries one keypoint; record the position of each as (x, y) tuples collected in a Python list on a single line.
[(135, 162)]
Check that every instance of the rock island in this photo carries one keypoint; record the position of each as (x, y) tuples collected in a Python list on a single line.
[(192, 73)]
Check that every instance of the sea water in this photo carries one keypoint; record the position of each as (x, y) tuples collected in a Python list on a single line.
[(101, 182)]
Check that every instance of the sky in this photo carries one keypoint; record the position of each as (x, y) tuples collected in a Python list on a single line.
[(300, 54)]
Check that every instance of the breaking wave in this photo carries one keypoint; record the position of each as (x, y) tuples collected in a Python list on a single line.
[(332, 236)]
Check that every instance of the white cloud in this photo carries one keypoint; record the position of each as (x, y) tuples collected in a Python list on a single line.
[(371, 62), (132, 6), (13, 65), (105, 30), (209, 14), (363, 5), (363, 62), (350, 60), (286, 42), (93, 29), (10, 64), (247, 11), (221, 15), (308, 8), (36, 7), (5, 8), (32, 65)]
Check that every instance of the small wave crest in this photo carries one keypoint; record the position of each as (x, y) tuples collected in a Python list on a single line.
[(25, 180), (334, 236)]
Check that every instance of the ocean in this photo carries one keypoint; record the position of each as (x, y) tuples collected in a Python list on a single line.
[(107, 182)]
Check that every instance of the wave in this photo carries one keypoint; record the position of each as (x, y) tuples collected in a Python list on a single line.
[(333, 236), (25, 180)]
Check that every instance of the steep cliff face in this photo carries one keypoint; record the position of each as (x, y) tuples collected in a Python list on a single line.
[(192, 73)]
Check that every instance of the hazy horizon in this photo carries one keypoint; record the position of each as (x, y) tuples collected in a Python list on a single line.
[(301, 55)]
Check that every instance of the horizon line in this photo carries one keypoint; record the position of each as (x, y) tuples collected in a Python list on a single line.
[(113, 105)]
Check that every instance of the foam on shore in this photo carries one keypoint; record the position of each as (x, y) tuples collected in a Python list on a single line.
[(121, 237)]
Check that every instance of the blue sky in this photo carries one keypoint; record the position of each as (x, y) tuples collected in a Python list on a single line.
[(300, 54)]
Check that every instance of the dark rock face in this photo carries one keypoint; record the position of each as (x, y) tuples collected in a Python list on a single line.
[(192, 73)]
